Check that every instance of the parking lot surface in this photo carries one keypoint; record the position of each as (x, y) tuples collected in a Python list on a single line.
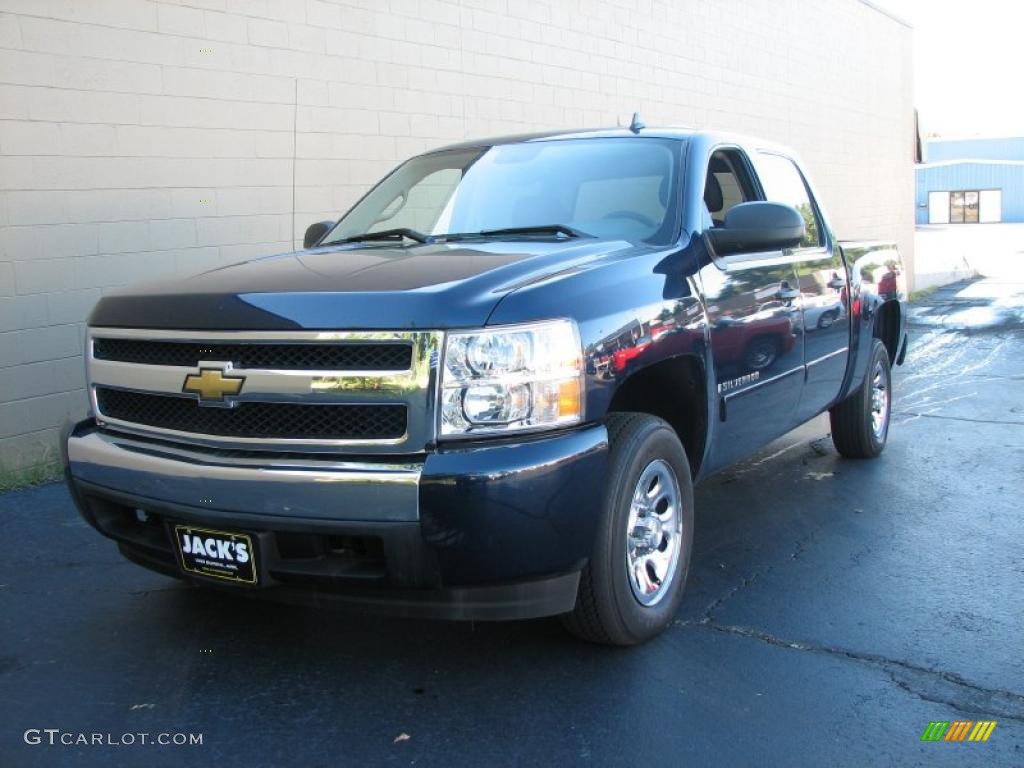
[(834, 609)]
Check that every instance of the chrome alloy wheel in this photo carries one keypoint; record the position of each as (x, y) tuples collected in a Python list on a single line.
[(879, 401), (655, 532)]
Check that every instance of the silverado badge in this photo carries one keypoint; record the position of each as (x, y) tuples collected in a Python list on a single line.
[(211, 384)]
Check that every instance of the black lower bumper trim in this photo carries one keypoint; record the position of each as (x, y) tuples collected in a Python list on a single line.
[(502, 602), (395, 587)]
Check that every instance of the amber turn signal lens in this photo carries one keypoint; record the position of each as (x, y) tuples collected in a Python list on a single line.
[(569, 398)]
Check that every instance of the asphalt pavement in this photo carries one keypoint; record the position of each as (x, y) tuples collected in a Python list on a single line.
[(834, 609)]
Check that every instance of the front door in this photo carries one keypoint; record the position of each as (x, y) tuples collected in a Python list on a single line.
[(753, 307)]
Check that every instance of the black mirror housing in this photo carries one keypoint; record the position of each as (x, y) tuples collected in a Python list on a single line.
[(315, 233), (758, 226)]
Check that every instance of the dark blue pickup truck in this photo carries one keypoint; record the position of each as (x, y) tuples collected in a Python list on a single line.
[(487, 390)]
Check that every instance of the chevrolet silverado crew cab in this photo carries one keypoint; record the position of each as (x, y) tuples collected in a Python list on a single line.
[(487, 390)]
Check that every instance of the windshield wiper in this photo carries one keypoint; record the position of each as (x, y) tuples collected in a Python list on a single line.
[(384, 234), (413, 234), (539, 229)]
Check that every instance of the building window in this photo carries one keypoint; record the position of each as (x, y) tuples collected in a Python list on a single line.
[(964, 207)]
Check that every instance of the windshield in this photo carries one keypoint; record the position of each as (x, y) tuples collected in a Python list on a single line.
[(617, 188)]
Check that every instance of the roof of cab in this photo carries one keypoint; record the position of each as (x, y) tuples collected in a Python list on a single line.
[(585, 133), (706, 137)]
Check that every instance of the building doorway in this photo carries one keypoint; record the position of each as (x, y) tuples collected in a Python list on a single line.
[(964, 207)]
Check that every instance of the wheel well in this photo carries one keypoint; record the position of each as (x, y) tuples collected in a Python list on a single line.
[(887, 328), (772, 337), (674, 390)]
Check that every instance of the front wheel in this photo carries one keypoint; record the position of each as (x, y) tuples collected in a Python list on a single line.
[(860, 424), (631, 587)]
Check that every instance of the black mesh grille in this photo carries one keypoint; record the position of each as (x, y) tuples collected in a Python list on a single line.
[(313, 356), (250, 419)]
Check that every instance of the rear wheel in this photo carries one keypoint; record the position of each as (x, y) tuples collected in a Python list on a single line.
[(860, 424), (631, 587)]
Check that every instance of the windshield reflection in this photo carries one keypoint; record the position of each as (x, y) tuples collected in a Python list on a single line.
[(609, 188)]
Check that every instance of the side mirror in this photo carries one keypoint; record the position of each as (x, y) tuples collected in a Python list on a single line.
[(315, 233), (787, 294), (757, 226)]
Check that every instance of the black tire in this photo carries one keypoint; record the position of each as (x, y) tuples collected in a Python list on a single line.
[(606, 609), (761, 352), (828, 318), (853, 428)]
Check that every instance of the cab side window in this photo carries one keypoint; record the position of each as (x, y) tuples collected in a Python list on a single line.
[(727, 184), (783, 183)]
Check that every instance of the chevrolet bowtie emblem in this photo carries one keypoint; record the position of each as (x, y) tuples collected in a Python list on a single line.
[(211, 384)]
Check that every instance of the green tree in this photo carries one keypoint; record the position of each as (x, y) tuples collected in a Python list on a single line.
[(810, 224)]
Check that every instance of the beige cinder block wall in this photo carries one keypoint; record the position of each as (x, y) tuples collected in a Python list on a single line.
[(138, 138)]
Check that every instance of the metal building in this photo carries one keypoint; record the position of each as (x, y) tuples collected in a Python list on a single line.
[(971, 181)]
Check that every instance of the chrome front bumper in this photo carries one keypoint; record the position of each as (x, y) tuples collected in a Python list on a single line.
[(268, 485)]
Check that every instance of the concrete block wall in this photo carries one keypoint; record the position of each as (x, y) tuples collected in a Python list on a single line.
[(139, 138)]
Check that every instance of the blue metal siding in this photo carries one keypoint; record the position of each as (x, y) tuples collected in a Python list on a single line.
[(940, 150), (967, 176)]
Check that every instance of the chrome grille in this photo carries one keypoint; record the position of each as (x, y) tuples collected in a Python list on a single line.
[(301, 390)]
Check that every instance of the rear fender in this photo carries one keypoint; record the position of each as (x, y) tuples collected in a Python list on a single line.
[(876, 278)]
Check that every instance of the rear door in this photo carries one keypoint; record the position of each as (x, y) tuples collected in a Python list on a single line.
[(753, 308), (824, 319)]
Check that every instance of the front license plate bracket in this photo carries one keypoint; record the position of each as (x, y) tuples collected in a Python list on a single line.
[(213, 554)]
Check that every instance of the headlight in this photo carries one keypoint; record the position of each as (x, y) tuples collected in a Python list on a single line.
[(512, 378)]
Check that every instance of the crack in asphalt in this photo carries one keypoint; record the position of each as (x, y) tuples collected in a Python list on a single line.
[(933, 685), (982, 376), (154, 590), (799, 547), (928, 684), (1006, 326), (718, 602), (957, 418)]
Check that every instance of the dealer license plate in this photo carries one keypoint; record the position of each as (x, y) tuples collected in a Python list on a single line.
[(216, 554)]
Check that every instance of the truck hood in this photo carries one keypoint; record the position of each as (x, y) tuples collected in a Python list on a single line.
[(368, 287)]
